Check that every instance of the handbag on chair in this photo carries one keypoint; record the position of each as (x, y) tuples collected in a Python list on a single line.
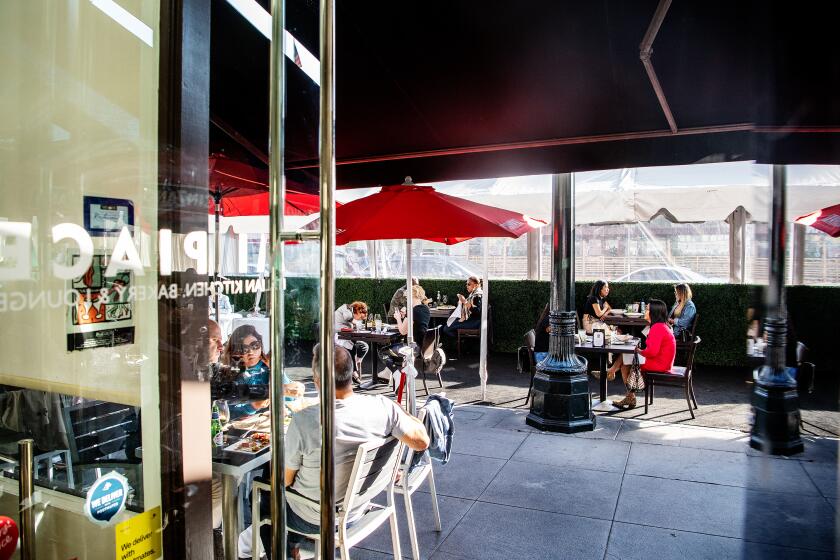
[(635, 380)]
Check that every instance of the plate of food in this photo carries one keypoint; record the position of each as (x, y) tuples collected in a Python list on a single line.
[(253, 444), (257, 422), (618, 312), (633, 315)]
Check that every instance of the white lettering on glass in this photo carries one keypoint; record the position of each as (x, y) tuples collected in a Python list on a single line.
[(165, 251), (83, 242), (124, 256), (195, 247), (15, 257)]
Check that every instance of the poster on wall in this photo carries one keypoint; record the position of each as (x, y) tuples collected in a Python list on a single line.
[(105, 216), (100, 314)]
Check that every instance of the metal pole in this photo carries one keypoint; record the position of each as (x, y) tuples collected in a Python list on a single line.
[(277, 197), (561, 400), (27, 507), (409, 317), (797, 255), (563, 244), (217, 268), (485, 302), (775, 397), (534, 264), (327, 176)]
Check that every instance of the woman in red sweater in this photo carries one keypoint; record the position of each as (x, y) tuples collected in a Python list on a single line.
[(659, 351)]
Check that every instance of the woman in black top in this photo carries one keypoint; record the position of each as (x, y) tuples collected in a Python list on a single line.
[(421, 317), (596, 306)]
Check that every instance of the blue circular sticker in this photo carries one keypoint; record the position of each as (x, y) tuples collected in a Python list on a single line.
[(106, 498)]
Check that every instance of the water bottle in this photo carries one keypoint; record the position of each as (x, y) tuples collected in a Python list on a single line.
[(642, 307), (216, 428)]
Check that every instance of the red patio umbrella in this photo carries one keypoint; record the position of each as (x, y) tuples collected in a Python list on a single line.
[(826, 220), (410, 211), (242, 190), (421, 212), (297, 204)]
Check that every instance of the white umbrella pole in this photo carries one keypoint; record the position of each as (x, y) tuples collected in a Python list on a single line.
[(409, 317), (485, 288), (216, 264)]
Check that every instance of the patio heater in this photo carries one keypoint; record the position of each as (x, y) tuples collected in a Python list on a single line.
[(775, 397), (561, 400)]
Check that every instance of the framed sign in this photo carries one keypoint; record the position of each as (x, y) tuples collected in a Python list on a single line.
[(598, 338), (100, 309), (107, 215)]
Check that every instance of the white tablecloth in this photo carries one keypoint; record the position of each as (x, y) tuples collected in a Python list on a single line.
[(225, 323)]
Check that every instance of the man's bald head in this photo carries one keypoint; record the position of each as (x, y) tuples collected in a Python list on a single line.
[(343, 372), (214, 341)]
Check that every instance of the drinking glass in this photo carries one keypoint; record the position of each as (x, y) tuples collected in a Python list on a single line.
[(224, 411), (377, 321), (443, 298), (582, 335)]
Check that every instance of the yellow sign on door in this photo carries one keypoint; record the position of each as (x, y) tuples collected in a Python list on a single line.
[(138, 538)]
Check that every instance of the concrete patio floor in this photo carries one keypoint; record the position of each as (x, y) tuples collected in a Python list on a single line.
[(723, 395), (630, 489)]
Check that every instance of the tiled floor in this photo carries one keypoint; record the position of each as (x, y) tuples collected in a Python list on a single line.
[(630, 489)]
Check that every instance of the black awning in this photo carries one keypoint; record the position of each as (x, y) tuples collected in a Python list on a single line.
[(454, 90)]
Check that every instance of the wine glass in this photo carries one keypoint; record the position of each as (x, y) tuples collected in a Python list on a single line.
[(443, 299), (224, 411), (377, 322)]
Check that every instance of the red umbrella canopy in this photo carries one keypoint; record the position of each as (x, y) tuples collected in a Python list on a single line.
[(827, 220), (243, 190), (297, 204), (421, 212), (232, 177)]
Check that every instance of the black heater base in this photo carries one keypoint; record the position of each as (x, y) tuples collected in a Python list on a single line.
[(561, 402), (777, 417)]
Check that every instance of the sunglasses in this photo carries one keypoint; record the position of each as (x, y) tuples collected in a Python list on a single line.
[(245, 348)]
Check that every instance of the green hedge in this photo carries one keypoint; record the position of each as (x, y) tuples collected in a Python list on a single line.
[(516, 305)]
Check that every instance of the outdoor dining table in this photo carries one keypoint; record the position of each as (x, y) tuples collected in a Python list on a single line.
[(233, 466), (376, 339), (441, 312), (601, 352), (624, 321)]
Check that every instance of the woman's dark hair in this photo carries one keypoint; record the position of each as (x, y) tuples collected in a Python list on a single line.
[(234, 344), (597, 287), (658, 311)]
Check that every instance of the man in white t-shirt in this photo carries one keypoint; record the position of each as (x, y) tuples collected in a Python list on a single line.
[(358, 419)]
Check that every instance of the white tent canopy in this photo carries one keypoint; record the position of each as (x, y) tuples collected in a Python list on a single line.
[(685, 193)]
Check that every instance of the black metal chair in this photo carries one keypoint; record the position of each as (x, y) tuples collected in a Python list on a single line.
[(476, 333), (803, 366), (527, 362), (99, 434), (679, 376), (431, 344)]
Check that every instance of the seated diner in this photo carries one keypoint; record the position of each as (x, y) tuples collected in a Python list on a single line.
[(596, 307), (467, 314), (681, 316), (343, 319), (659, 351), (420, 316)]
